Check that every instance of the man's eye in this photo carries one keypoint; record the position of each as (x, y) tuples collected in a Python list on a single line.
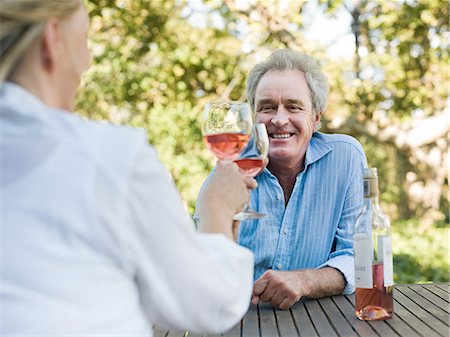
[(295, 108), (266, 108)]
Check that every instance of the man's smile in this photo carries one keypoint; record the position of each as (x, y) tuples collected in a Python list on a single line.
[(280, 135)]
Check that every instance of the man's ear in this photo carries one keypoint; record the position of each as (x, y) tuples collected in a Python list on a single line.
[(317, 120), (51, 43)]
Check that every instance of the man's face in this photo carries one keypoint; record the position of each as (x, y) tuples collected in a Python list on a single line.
[(283, 102)]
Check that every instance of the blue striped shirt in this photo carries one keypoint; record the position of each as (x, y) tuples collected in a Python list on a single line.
[(315, 229)]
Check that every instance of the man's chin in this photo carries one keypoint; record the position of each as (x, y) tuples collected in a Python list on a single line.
[(279, 154)]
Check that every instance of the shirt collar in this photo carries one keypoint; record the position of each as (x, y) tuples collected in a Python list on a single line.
[(21, 107), (19, 96), (317, 149)]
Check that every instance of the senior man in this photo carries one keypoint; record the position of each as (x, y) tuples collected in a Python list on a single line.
[(311, 191)]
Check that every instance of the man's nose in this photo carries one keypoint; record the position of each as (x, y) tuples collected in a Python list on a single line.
[(281, 117)]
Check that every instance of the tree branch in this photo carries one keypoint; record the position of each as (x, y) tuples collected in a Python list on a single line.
[(417, 133)]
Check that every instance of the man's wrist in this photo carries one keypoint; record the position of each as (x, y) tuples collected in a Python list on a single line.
[(321, 282), (306, 284)]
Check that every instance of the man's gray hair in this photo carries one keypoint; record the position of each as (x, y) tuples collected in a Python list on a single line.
[(287, 59)]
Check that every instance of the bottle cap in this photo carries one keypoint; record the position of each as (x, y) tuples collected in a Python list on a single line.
[(370, 172), (370, 182)]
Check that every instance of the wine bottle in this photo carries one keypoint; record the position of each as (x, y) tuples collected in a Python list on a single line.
[(374, 279)]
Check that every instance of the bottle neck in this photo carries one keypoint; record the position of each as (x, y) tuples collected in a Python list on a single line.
[(371, 192), (371, 202)]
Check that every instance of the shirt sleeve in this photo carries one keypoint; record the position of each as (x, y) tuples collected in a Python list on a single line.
[(342, 258), (195, 216), (186, 281)]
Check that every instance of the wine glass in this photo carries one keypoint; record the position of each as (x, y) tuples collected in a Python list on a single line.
[(251, 162), (226, 128)]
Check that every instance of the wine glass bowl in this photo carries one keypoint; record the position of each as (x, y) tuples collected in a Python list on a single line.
[(251, 162), (226, 128)]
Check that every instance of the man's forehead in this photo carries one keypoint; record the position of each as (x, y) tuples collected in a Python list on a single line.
[(286, 74), (290, 95), (290, 84)]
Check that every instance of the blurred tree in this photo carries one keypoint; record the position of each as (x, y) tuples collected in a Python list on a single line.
[(398, 100), (154, 67), (394, 95), (157, 62)]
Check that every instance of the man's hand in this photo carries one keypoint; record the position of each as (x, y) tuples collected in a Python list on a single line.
[(285, 288), (281, 288)]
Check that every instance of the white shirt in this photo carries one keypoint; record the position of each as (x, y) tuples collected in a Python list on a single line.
[(94, 237)]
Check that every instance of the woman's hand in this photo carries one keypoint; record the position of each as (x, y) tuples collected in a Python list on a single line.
[(225, 194)]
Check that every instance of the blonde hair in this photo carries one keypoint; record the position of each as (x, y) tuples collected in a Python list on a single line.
[(22, 23), (284, 59)]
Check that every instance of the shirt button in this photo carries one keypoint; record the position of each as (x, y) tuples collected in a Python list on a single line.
[(279, 266), (278, 196), (285, 231)]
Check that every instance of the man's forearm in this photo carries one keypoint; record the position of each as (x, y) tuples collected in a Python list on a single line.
[(322, 282)]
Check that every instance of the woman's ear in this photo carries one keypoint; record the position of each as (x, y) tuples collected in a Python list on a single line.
[(51, 43)]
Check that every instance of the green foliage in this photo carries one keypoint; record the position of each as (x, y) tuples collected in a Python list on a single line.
[(406, 41), (420, 257), (152, 68), (400, 73)]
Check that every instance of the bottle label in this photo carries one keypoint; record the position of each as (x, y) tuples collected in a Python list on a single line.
[(370, 185), (363, 261), (387, 261), (366, 185)]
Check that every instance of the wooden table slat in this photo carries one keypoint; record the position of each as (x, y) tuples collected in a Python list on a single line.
[(267, 320), (319, 319), (438, 292), (403, 324), (445, 287), (285, 323), (180, 334), (234, 331), (419, 320), (427, 312), (302, 321), (158, 332), (426, 304), (339, 321), (250, 325), (433, 298), (420, 310)]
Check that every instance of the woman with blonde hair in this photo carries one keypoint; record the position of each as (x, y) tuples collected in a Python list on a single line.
[(95, 240)]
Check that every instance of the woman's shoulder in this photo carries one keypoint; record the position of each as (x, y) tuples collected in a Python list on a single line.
[(102, 139)]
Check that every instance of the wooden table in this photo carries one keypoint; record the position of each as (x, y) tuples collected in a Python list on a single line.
[(419, 310)]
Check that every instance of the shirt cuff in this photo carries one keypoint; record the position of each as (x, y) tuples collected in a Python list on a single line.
[(345, 264)]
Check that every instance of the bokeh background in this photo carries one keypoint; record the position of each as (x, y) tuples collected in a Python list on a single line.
[(156, 63)]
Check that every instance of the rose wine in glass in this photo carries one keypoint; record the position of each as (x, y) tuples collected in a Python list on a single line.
[(250, 167), (251, 163), (226, 128), (226, 145)]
